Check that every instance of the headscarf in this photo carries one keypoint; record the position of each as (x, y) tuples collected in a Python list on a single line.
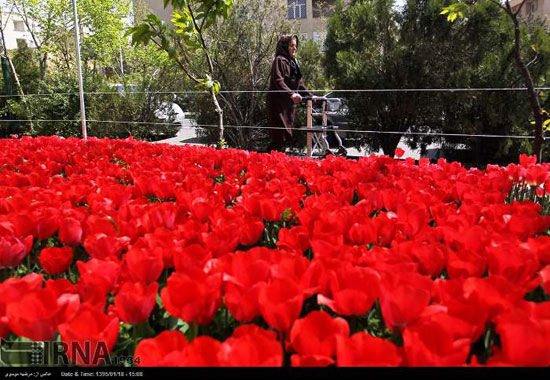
[(283, 49)]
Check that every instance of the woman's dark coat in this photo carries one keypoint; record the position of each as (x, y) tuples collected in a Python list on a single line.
[(280, 107)]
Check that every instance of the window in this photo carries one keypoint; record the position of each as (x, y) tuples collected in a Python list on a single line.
[(316, 37), (323, 38), (21, 43), (531, 7), (296, 9), (18, 26), (319, 37), (323, 8)]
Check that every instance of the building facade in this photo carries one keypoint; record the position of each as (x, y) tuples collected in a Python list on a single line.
[(157, 7), (309, 17), (14, 27), (533, 9)]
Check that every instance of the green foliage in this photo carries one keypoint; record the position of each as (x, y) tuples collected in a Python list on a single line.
[(363, 51), (370, 45), (210, 84), (53, 34), (191, 19), (507, 113), (183, 20), (60, 102), (242, 52), (311, 65), (454, 11), (25, 60), (186, 45), (143, 73), (153, 28)]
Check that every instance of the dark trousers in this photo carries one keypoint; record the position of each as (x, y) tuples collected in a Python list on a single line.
[(279, 139)]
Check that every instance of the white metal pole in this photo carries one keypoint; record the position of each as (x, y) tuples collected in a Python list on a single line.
[(80, 81), (309, 124)]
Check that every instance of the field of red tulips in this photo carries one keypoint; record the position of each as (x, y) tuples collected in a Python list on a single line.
[(192, 256)]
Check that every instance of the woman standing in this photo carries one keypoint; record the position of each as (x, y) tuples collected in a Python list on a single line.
[(286, 89)]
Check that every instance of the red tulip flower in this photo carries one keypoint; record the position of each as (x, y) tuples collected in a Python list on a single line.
[(316, 336), (100, 272), (135, 301), (101, 246), (192, 256), (13, 251), (364, 350), (281, 303), (92, 332), (13, 290), (524, 339), (242, 284), (250, 231), (271, 209), (399, 152), (70, 232), (37, 314), (404, 298), (354, 290), (432, 344), (55, 260), (203, 351), (251, 346), (144, 264), (97, 278), (525, 160), (193, 296), (165, 350)]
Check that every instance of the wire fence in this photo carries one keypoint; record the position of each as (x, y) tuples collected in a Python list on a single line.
[(315, 129), (363, 90), (260, 127)]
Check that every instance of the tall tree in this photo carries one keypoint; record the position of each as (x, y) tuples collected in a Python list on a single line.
[(363, 52), (187, 40), (6, 55), (427, 52), (461, 9), (243, 48), (143, 75), (50, 24)]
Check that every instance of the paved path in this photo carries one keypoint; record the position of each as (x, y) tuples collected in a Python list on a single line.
[(187, 136)]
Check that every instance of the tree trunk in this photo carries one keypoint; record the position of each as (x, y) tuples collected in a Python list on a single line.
[(43, 66), (219, 111), (532, 93)]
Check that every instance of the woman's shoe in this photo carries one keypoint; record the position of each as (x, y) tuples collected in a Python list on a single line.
[(342, 152)]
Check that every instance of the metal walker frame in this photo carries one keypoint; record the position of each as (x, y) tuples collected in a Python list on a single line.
[(317, 135)]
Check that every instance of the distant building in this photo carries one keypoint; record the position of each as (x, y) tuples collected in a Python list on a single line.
[(311, 17), (16, 31), (532, 9), (157, 7)]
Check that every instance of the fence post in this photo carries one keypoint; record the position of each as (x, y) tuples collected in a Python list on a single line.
[(80, 81), (325, 117), (309, 126)]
